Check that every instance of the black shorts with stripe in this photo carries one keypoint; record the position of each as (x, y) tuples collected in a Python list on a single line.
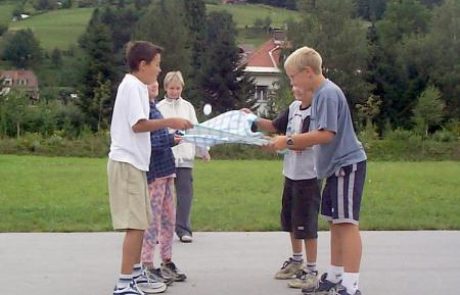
[(300, 207), (342, 194)]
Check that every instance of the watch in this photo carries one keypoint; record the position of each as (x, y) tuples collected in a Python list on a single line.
[(289, 141)]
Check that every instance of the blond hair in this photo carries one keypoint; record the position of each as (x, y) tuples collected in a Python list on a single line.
[(173, 77), (304, 57)]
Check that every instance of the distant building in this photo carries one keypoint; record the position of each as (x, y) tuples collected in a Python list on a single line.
[(25, 80), (263, 64)]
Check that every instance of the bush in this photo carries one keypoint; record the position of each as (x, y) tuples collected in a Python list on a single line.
[(444, 136), (97, 145), (3, 29), (93, 145)]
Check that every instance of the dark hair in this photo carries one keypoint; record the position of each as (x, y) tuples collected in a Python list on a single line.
[(137, 51)]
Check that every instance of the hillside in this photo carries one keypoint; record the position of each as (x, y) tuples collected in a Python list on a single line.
[(245, 14), (61, 28), (58, 28)]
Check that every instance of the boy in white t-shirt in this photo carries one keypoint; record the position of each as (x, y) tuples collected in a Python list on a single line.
[(129, 160), (301, 194)]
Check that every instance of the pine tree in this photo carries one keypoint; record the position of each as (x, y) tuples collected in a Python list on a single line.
[(164, 25), (97, 45), (23, 49), (225, 85), (328, 27), (195, 11)]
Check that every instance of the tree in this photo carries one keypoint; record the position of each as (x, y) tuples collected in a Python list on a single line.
[(371, 10), (195, 12), (398, 79), (97, 45), (152, 26), (56, 57), (100, 104), (224, 82), (443, 47), (14, 106), (429, 110), (22, 49), (328, 27)]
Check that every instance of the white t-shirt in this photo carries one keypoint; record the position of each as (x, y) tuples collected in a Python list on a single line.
[(131, 105), (298, 165)]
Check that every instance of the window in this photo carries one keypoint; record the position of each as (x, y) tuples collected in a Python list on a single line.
[(8, 82), (261, 93)]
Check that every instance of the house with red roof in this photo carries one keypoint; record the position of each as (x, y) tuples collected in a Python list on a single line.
[(263, 65), (24, 80)]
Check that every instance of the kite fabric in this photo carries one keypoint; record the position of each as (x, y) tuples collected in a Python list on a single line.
[(229, 127)]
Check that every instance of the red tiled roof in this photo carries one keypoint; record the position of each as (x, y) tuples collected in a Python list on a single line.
[(16, 75), (267, 55)]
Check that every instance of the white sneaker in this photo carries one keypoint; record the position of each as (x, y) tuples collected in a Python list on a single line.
[(129, 290), (145, 285), (186, 239), (304, 280)]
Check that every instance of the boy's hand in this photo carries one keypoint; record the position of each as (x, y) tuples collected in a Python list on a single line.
[(179, 123), (246, 110), (278, 143), (177, 139)]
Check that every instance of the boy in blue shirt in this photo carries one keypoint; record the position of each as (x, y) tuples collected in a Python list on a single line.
[(340, 159)]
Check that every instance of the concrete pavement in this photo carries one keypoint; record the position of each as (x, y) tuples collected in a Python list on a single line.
[(396, 263)]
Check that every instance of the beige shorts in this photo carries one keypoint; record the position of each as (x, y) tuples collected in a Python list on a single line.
[(128, 196)]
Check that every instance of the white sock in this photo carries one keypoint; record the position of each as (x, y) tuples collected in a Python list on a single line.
[(297, 257), (124, 281), (334, 273), (350, 282), (137, 270), (311, 266)]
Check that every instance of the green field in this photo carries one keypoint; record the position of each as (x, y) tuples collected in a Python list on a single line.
[(245, 15), (70, 194), (58, 28), (6, 9), (61, 28)]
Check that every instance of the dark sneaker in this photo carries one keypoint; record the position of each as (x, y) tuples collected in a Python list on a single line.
[(340, 290), (289, 269), (323, 288), (169, 270), (186, 239), (155, 275), (129, 290)]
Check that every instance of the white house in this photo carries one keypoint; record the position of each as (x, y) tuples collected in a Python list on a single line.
[(263, 65)]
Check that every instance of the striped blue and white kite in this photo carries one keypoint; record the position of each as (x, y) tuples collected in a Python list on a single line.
[(229, 127)]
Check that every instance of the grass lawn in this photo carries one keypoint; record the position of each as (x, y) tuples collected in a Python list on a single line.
[(57, 28), (70, 194), (6, 10)]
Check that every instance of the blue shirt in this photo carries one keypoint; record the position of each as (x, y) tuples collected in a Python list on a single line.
[(330, 112), (162, 162)]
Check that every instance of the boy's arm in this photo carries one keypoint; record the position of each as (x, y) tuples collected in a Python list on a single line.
[(303, 140), (265, 125), (278, 125), (145, 125)]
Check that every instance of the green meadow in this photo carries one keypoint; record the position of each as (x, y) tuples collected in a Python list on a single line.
[(53, 194), (57, 28), (245, 14), (62, 28), (6, 10)]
